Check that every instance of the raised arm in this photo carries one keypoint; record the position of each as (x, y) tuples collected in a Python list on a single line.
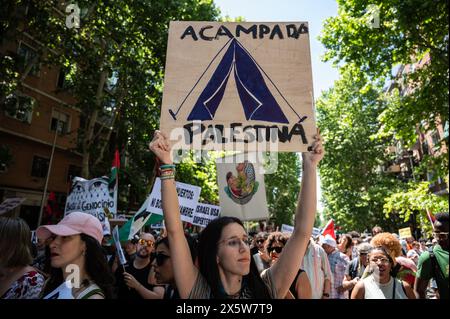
[(287, 266), (185, 272)]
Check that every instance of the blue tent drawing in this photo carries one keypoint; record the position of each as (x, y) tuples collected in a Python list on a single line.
[(258, 102)]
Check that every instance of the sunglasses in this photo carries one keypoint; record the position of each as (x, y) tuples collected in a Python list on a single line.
[(260, 241), (144, 242), (440, 235), (276, 249), (159, 257)]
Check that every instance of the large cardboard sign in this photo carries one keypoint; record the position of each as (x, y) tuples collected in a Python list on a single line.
[(187, 197), (91, 197), (239, 86), (242, 192)]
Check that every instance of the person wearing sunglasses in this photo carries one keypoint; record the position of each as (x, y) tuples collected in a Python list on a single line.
[(355, 269), (275, 244), (136, 281), (163, 266), (433, 264), (259, 252), (226, 269), (380, 284)]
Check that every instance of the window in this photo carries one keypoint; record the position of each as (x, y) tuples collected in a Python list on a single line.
[(64, 122), (73, 171), (27, 54), (20, 107), (61, 79), (435, 138), (40, 166)]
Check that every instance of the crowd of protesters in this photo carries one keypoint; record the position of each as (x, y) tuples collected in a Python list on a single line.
[(223, 260)]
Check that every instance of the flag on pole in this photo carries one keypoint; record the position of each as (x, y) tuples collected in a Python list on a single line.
[(329, 229), (113, 184), (431, 218), (119, 250)]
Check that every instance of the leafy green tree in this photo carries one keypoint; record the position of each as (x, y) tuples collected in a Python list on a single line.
[(373, 38), (114, 67), (353, 188), (282, 188)]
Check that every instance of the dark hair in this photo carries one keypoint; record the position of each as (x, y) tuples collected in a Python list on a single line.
[(354, 234), (229, 175), (192, 243), (378, 229), (15, 242), (384, 250), (441, 217), (276, 237), (349, 242), (207, 252), (96, 268)]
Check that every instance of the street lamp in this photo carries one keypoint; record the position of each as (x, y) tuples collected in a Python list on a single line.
[(57, 130)]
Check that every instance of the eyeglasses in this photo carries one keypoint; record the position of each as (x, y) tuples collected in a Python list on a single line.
[(234, 242), (440, 235), (380, 260), (144, 242), (260, 241), (159, 258), (276, 249)]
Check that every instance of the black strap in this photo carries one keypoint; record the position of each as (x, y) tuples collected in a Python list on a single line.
[(435, 266), (393, 289)]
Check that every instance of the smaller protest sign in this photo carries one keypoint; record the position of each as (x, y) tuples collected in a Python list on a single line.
[(204, 214)]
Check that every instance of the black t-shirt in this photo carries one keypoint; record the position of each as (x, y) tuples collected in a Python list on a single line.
[(141, 275), (294, 283)]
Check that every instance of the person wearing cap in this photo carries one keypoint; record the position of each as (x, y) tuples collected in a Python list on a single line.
[(79, 269), (355, 269), (338, 263)]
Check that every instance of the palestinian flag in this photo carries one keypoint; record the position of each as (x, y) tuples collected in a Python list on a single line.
[(113, 184)]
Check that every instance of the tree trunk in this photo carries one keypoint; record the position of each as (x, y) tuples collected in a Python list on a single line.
[(88, 138)]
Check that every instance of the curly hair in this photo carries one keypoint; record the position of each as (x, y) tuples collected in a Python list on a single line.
[(389, 242), (276, 237)]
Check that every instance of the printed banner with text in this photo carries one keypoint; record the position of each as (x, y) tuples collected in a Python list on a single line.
[(188, 196), (91, 197)]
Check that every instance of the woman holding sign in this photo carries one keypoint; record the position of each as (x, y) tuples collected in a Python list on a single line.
[(226, 269)]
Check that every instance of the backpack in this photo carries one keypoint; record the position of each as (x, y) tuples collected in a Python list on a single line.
[(435, 269)]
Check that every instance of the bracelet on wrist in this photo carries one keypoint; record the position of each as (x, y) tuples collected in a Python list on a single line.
[(165, 166)]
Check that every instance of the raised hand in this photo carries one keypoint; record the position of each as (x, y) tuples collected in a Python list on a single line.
[(317, 152), (160, 147)]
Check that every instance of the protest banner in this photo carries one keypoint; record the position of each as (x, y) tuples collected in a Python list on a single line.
[(91, 197), (404, 233), (238, 86), (187, 197), (242, 192), (287, 228), (204, 214), (10, 203)]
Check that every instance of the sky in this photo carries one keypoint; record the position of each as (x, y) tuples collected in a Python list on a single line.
[(313, 12)]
